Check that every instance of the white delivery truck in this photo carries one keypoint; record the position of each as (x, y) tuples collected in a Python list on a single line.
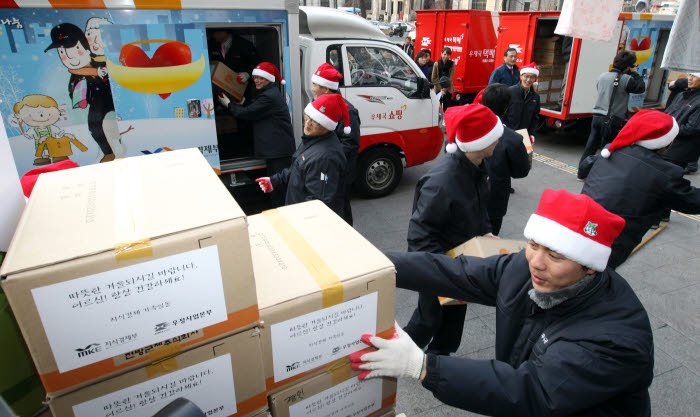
[(131, 78)]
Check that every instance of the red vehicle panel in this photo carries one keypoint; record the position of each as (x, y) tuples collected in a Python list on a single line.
[(470, 34), (418, 145)]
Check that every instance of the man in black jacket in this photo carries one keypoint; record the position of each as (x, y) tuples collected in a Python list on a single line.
[(572, 338), (272, 126), (318, 169), (326, 80), (686, 110), (509, 159), (632, 180), (524, 110), (236, 52), (630, 82), (449, 208)]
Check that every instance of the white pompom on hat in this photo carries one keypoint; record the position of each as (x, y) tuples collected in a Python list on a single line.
[(471, 128), (269, 72), (651, 129), (327, 110), (327, 76)]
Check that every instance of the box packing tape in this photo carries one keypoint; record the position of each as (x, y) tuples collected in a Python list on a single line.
[(163, 359), (327, 280)]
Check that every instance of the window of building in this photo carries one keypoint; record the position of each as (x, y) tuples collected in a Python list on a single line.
[(478, 5)]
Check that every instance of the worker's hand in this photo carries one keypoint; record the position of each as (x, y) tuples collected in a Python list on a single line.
[(398, 357), (223, 99), (491, 235), (532, 140), (243, 77), (264, 183)]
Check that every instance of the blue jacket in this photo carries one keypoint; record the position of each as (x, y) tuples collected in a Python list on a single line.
[(502, 75), (591, 355)]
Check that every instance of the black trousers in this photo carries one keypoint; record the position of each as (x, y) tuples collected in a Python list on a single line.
[(496, 223), (96, 115), (595, 138), (274, 166), (440, 326)]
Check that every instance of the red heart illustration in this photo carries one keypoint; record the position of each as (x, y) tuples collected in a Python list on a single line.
[(167, 55), (636, 45)]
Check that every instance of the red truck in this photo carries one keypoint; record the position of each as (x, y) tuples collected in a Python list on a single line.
[(567, 80)]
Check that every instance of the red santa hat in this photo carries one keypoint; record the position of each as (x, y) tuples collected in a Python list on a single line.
[(479, 99), (530, 68), (651, 129), (29, 179), (327, 76), (575, 226), (326, 111), (471, 128), (268, 72)]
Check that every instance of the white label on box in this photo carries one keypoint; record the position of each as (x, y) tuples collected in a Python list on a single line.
[(315, 339), (557, 83), (99, 316), (209, 385), (350, 398)]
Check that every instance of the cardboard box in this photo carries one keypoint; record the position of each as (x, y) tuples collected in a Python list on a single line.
[(336, 392), (321, 285), (135, 254), (20, 385), (526, 141), (554, 95), (483, 247), (544, 96), (223, 378), (226, 79)]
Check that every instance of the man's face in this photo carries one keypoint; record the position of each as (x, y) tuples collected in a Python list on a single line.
[(94, 38), (693, 81), (318, 90), (551, 271), (386, 54), (312, 128), (527, 80), (407, 41), (511, 58), (74, 57), (260, 82), (221, 36), (39, 116)]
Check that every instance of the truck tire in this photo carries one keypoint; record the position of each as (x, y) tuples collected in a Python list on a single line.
[(379, 171)]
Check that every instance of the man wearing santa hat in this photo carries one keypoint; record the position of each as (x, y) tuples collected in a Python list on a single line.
[(449, 208), (572, 338), (632, 180), (326, 80), (273, 136), (524, 110), (318, 167)]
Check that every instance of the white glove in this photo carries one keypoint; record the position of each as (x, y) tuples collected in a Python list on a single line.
[(243, 77), (265, 184), (223, 99), (398, 357), (491, 235)]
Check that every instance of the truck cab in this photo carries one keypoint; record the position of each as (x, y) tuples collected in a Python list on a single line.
[(398, 108)]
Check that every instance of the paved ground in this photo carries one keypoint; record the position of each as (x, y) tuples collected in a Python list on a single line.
[(663, 274)]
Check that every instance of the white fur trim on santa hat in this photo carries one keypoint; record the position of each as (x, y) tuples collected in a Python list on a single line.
[(529, 71), (266, 75), (316, 79), (320, 118), (483, 142), (695, 74), (664, 140), (565, 241)]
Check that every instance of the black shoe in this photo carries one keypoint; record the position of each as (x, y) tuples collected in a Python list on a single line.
[(654, 226), (665, 219), (691, 168)]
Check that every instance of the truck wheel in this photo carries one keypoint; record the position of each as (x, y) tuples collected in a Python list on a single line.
[(379, 171)]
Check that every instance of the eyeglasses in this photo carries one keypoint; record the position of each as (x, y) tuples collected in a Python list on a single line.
[(529, 76), (311, 121)]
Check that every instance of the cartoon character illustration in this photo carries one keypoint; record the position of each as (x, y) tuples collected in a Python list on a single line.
[(88, 85), (41, 113)]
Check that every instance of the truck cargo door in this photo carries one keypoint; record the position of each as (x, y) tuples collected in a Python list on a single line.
[(513, 32)]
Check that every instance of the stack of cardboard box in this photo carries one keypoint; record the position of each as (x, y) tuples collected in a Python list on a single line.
[(549, 59), (321, 285), (132, 284), (141, 281)]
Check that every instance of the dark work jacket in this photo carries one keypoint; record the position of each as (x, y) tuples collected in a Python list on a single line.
[(679, 86), (638, 185), (592, 355), (509, 160), (524, 110), (240, 57), (502, 75), (449, 205), (686, 109), (272, 127), (351, 142), (317, 173)]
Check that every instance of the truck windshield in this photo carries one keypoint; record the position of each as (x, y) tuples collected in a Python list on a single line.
[(381, 67)]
